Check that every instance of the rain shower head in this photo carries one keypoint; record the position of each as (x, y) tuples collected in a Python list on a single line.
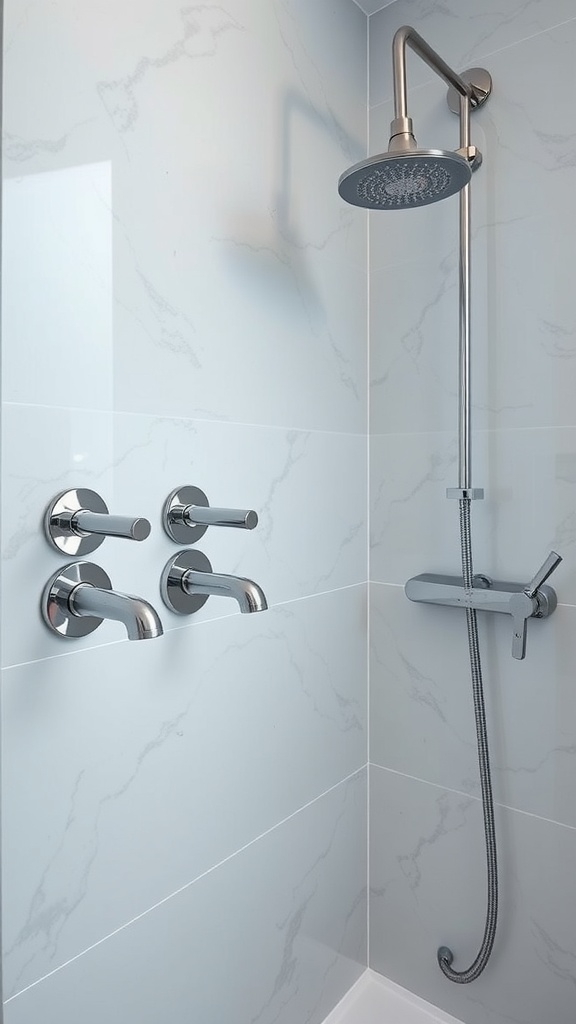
[(406, 176), (402, 180)]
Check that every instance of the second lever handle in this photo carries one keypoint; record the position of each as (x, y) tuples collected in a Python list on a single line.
[(187, 515)]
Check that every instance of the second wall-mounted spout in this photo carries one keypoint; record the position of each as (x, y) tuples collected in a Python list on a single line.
[(188, 581)]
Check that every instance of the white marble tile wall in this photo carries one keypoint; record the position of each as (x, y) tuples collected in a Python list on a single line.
[(184, 301), (427, 844), (287, 933)]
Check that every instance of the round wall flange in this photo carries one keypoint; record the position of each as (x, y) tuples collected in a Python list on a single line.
[(173, 594), (481, 82), (56, 598), (172, 521), (59, 514)]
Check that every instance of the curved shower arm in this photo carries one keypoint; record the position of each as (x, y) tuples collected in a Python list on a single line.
[(407, 36)]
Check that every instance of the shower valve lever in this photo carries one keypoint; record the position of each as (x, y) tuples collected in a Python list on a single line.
[(532, 602), (545, 570), (535, 600)]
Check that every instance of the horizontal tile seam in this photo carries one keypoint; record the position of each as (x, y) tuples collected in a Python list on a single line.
[(188, 885), (178, 628), (479, 57), (170, 418), (471, 796)]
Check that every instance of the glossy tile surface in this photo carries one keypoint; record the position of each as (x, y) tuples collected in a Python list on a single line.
[(224, 295), (132, 769), (428, 886), (287, 916), (421, 715), (185, 302)]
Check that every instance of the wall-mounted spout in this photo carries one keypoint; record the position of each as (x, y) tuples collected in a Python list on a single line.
[(80, 596), (188, 581), (139, 617)]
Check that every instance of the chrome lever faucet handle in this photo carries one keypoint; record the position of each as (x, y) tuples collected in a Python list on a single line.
[(522, 607), (77, 521), (531, 602), (545, 570), (187, 515)]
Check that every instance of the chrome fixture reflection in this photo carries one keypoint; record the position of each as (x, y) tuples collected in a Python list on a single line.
[(403, 178), (79, 597), (77, 522), (406, 176), (188, 581), (533, 601), (187, 515)]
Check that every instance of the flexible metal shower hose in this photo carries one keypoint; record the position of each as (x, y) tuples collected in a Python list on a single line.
[(445, 955)]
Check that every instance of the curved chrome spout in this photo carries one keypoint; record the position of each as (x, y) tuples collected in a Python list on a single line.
[(139, 617), (188, 581), (249, 595)]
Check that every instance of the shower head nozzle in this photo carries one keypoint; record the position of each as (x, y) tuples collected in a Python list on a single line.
[(405, 179)]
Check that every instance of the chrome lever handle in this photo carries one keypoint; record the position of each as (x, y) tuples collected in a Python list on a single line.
[(77, 521), (545, 570), (522, 607), (198, 515), (527, 603), (103, 525), (187, 515)]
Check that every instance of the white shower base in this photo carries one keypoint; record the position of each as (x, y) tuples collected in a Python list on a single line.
[(375, 1000)]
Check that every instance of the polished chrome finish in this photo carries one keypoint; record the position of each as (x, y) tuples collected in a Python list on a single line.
[(471, 493), (406, 176), (407, 36), (472, 154), (172, 589), (545, 570), (77, 521), (188, 581), (480, 82), (534, 601), (79, 596), (464, 403), (187, 515), (56, 598), (139, 617)]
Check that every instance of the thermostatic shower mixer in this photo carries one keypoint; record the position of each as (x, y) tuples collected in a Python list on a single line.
[(187, 515), (78, 521), (533, 601)]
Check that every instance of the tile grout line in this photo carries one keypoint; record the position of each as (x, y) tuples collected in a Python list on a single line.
[(170, 417), (189, 884), (179, 628), (472, 796)]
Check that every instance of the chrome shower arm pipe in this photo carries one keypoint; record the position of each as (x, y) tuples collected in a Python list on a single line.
[(407, 36)]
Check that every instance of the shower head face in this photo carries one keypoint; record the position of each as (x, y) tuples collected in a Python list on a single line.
[(403, 180)]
